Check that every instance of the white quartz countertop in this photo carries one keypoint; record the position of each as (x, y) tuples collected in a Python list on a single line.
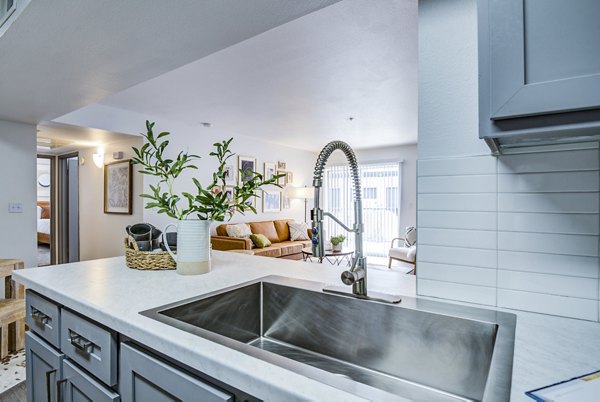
[(547, 350), (112, 294)]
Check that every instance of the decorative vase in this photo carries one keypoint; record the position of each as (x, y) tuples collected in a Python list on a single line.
[(193, 246), (337, 247)]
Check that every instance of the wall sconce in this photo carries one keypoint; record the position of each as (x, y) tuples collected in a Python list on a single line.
[(99, 160)]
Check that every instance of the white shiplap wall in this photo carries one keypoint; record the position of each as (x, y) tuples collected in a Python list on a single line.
[(520, 231)]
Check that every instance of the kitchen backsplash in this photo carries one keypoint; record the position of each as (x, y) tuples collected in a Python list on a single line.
[(519, 231)]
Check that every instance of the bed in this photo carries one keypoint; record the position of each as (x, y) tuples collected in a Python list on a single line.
[(43, 222)]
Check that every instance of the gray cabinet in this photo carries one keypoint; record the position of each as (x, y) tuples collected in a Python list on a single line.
[(90, 345), (43, 317), (143, 377), (84, 365), (44, 369), (78, 386), (539, 70)]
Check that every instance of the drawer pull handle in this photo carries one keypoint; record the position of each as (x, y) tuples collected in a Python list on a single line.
[(39, 317), (79, 342), (59, 384), (48, 389)]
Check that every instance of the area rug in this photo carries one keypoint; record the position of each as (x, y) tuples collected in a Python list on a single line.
[(12, 378)]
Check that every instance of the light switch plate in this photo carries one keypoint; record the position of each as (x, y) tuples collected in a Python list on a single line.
[(15, 208)]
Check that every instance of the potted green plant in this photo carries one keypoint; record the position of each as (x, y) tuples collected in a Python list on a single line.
[(336, 242), (194, 211)]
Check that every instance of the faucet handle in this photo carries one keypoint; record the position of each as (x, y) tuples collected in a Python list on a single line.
[(350, 277)]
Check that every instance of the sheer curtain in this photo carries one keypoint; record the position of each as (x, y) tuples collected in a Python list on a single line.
[(381, 184)]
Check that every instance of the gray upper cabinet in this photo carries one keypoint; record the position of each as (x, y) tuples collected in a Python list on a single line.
[(539, 71)]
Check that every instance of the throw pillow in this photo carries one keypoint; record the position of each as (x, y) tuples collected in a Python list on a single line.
[(411, 236), (298, 231), (240, 230), (260, 240)]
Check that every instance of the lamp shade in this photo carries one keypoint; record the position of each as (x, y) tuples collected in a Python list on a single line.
[(302, 192)]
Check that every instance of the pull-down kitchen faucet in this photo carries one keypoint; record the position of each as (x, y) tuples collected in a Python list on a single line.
[(357, 274)]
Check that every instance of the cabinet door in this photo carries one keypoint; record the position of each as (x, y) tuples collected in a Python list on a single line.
[(44, 369), (143, 377), (539, 66), (78, 386)]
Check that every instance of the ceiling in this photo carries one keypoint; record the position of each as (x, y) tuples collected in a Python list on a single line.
[(60, 55), (59, 139), (300, 83)]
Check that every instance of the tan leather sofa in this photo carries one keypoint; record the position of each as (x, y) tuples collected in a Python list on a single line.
[(277, 231)]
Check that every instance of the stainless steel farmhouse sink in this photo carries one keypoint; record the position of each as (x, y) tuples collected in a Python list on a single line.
[(417, 350)]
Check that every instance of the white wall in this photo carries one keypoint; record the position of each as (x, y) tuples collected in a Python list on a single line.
[(519, 231), (101, 235), (18, 232), (199, 140)]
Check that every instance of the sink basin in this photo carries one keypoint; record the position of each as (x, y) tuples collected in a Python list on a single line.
[(418, 350)]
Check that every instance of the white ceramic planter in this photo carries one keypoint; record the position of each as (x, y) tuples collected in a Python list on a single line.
[(193, 246)]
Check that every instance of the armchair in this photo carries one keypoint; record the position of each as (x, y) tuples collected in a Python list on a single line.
[(402, 253)]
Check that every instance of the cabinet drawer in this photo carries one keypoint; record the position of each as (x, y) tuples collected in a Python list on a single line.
[(91, 346), (144, 377), (78, 386), (43, 318)]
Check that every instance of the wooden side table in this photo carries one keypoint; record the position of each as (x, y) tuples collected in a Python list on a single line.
[(12, 309)]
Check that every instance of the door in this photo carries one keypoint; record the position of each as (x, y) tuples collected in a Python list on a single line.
[(145, 378), (46, 165), (68, 203), (44, 369), (78, 386)]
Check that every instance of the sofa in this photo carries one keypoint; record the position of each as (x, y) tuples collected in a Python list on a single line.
[(277, 231)]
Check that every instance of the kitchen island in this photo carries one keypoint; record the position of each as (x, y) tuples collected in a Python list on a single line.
[(548, 349)]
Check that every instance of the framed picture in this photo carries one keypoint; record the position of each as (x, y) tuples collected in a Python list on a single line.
[(289, 178), (270, 170), (281, 165), (285, 202), (229, 193), (282, 181), (271, 201), (229, 174), (245, 164), (118, 187)]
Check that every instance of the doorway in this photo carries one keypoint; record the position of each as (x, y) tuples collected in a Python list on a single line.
[(46, 236), (68, 208)]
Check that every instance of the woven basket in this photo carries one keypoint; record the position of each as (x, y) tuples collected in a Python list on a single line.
[(146, 260)]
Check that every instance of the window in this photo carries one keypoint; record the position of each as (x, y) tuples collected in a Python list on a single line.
[(392, 200), (334, 199), (370, 193), (381, 204)]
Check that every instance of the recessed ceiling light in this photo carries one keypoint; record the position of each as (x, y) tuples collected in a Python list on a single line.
[(206, 124), (351, 118)]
